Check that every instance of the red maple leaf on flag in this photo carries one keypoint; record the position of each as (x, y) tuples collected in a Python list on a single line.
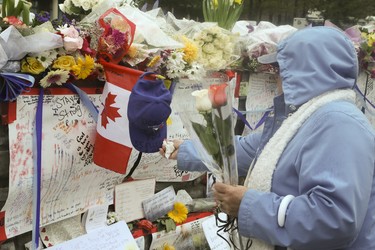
[(108, 111)]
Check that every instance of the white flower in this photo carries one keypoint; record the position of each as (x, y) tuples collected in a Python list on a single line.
[(196, 72), (46, 57), (209, 48), (175, 64), (86, 5), (202, 102)]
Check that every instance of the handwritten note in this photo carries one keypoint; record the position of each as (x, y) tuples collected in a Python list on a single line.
[(95, 217), (210, 230), (260, 93), (71, 183), (115, 237), (129, 197), (159, 204)]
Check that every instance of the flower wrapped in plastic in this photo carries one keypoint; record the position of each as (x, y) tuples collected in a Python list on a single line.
[(117, 37), (207, 115)]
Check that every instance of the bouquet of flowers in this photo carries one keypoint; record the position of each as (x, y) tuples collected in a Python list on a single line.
[(367, 52), (217, 48), (208, 119), (224, 12)]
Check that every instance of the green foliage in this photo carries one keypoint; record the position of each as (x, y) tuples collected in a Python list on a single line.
[(22, 9)]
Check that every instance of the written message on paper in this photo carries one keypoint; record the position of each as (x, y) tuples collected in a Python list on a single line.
[(70, 183)]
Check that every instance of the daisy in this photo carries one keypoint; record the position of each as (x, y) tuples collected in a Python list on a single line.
[(179, 212), (54, 77)]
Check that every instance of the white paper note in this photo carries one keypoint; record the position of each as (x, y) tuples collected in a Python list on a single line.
[(129, 197), (95, 217), (210, 230), (159, 204), (115, 237)]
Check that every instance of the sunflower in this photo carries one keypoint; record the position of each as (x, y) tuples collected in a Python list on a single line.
[(179, 212), (84, 67)]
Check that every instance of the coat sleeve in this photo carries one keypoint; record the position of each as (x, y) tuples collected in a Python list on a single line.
[(188, 158), (335, 169)]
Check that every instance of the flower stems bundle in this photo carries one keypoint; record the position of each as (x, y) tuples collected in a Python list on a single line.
[(224, 12), (210, 125)]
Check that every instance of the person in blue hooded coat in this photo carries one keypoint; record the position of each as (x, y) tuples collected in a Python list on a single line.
[(310, 173)]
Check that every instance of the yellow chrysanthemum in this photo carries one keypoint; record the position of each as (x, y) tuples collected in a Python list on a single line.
[(179, 212), (166, 246), (83, 68), (32, 65), (190, 50), (153, 61), (64, 62)]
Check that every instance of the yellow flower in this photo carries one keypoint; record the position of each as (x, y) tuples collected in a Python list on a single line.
[(32, 65), (54, 77), (215, 3), (132, 52), (179, 212), (166, 246), (64, 62), (153, 61), (83, 68), (190, 50), (370, 39), (238, 1)]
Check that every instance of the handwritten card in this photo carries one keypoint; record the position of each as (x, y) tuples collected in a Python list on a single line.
[(115, 237), (95, 217), (129, 197), (71, 183), (210, 230), (159, 204)]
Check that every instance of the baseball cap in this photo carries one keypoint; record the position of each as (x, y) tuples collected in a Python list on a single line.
[(148, 111)]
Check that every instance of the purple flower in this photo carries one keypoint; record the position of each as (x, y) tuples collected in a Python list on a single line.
[(43, 16)]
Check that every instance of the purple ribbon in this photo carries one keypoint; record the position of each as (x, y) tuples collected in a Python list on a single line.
[(37, 170), (13, 84), (259, 123)]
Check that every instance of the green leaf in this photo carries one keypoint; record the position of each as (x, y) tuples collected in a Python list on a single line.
[(170, 225)]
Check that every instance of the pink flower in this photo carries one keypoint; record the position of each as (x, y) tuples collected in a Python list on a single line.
[(217, 95), (72, 44), (70, 32)]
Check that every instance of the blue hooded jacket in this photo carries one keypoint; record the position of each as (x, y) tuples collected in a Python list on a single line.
[(329, 163)]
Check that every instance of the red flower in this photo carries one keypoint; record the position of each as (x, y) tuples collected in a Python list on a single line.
[(217, 95), (12, 20)]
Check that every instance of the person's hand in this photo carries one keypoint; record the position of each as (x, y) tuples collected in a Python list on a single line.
[(173, 156), (229, 197)]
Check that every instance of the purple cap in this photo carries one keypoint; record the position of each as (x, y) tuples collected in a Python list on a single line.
[(148, 111)]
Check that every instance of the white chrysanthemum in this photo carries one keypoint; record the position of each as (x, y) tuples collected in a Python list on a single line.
[(77, 3), (175, 64), (196, 72), (86, 5)]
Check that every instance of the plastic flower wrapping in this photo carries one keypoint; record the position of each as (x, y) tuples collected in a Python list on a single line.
[(207, 116), (224, 12)]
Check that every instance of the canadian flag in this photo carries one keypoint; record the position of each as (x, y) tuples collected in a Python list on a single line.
[(113, 147)]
